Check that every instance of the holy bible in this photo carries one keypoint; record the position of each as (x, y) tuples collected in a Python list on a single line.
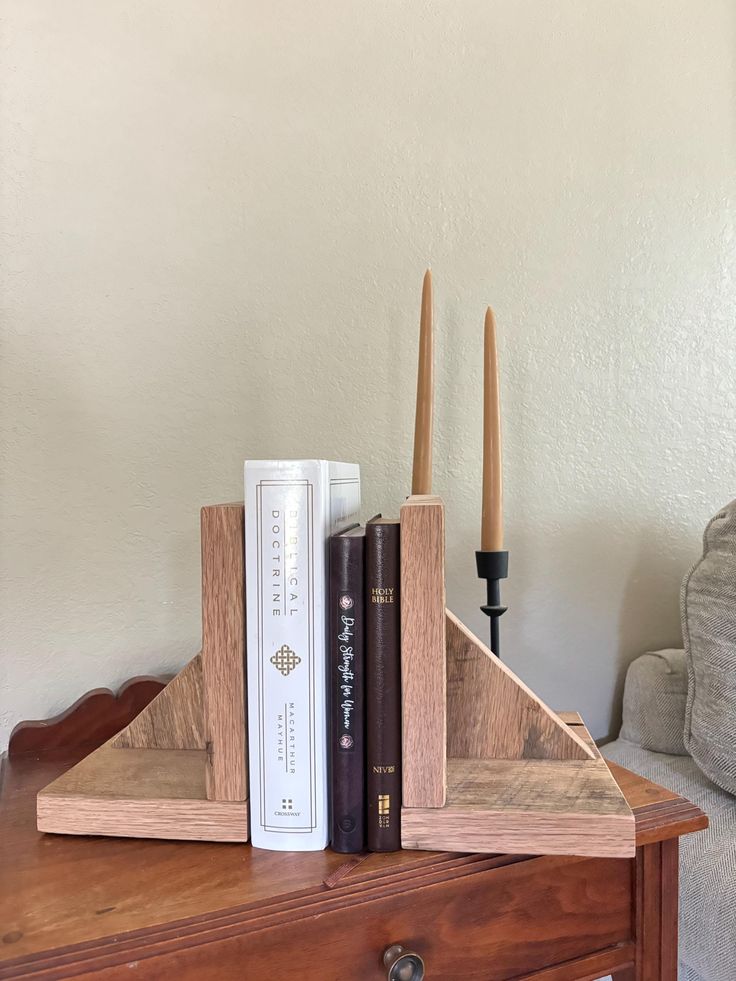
[(383, 686)]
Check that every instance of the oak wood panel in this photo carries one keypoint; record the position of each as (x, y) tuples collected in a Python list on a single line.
[(460, 926), (570, 718), (137, 774), (491, 714), (554, 807), (90, 721), (223, 651), (580, 730), (423, 696), (538, 786), (173, 720), (144, 793), (179, 819)]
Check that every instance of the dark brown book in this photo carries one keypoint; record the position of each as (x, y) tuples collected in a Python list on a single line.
[(383, 686), (347, 690)]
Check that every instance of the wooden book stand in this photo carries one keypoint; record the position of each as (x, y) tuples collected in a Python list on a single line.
[(487, 767), (179, 769)]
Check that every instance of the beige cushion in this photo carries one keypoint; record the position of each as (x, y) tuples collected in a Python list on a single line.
[(655, 696), (708, 603)]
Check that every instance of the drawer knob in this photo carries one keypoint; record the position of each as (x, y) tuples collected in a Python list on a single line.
[(403, 964)]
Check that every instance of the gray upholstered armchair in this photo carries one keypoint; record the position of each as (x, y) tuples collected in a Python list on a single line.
[(679, 708)]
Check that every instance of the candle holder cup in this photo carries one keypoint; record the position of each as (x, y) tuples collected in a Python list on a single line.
[(493, 566)]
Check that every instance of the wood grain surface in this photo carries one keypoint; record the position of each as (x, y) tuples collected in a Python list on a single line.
[(173, 720), (116, 908), (491, 714), (656, 886), (462, 927), (590, 967), (423, 675), (138, 774), (223, 651), (143, 793), (554, 807)]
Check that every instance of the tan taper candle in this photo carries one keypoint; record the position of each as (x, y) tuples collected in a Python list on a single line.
[(421, 480), (491, 530)]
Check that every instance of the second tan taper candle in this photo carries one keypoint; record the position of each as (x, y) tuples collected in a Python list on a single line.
[(421, 478), (491, 529)]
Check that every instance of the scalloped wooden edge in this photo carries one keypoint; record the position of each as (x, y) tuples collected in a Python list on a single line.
[(89, 721)]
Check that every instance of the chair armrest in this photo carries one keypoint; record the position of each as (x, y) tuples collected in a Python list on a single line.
[(654, 702)]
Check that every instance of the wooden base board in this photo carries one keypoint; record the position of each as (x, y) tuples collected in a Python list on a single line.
[(140, 793), (526, 807)]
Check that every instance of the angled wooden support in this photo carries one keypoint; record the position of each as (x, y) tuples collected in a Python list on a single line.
[(173, 720), (179, 769), (491, 714), (511, 775)]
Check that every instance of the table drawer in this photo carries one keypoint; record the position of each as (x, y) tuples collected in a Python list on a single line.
[(488, 924)]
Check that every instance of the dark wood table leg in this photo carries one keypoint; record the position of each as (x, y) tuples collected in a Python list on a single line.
[(624, 974), (657, 896)]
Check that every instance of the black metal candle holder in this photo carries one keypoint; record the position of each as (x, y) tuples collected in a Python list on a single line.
[(493, 566)]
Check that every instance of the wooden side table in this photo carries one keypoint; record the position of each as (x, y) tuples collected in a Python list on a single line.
[(139, 909)]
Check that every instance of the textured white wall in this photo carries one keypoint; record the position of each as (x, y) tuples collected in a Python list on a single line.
[(215, 220)]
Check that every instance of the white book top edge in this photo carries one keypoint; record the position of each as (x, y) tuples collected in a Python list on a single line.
[(294, 464)]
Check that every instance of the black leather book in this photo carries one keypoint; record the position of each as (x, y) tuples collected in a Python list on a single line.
[(383, 686), (347, 690)]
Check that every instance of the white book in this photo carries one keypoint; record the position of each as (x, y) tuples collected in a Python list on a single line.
[(291, 509)]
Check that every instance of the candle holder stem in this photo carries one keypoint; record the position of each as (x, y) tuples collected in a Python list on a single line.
[(493, 566)]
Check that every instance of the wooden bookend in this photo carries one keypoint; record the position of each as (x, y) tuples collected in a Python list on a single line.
[(179, 769), (515, 777), (424, 729)]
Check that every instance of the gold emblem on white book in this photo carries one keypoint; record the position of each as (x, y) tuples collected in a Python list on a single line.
[(285, 660)]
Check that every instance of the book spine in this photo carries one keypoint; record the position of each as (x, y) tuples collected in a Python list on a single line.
[(290, 511), (284, 572), (383, 687), (347, 629)]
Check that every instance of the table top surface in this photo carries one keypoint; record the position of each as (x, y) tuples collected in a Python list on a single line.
[(57, 891)]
